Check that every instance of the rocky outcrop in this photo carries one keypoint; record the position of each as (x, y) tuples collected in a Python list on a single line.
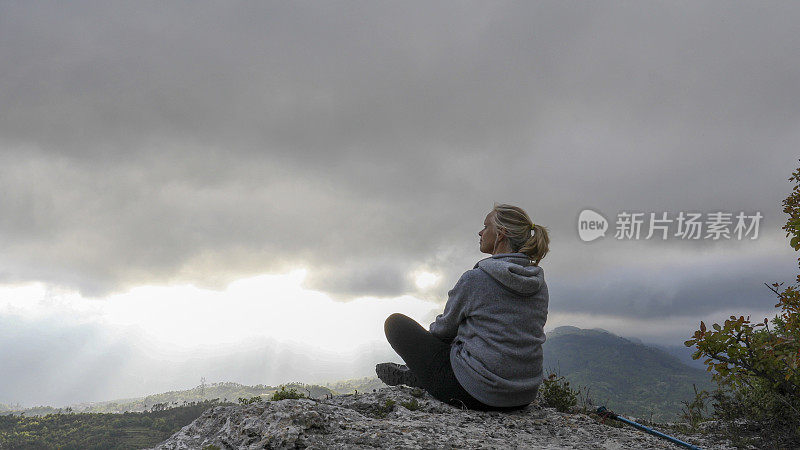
[(402, 417)]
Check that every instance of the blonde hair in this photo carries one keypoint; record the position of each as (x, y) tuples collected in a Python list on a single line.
[(523, 235)]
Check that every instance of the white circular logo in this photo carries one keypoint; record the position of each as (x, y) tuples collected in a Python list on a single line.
[(591, 225)]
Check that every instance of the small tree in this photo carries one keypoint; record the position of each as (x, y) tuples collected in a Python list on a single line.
[(750, 359)]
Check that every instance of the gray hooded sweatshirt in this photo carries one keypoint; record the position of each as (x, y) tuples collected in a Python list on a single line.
[(495, 318)]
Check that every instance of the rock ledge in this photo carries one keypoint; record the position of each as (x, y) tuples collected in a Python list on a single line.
[(402, 417)]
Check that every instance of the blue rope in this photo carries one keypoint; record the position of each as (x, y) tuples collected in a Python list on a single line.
[(603, 412)]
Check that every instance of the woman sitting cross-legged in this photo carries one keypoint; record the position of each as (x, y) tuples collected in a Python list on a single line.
[(484, 351)]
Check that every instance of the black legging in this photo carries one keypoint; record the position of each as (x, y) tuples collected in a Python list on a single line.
[(428, 357)]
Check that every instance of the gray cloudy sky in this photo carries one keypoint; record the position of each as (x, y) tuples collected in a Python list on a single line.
[(153, 144)]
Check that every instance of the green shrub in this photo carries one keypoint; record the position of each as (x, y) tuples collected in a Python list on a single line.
[(756, 415), (387, 407), (556, 393), (251, 400), (758, 369), (284, 394), (693, 410), (411, 405)]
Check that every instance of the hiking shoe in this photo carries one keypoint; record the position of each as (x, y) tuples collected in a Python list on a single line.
[(394, 374)]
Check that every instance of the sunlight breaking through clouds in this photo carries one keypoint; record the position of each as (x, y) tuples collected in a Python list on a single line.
[(185, 317), (426, 280)]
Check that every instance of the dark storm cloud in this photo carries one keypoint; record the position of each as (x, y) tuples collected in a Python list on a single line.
[(205, 142), (677, 289)]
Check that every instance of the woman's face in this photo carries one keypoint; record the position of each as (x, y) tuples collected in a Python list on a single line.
[(488, 235)]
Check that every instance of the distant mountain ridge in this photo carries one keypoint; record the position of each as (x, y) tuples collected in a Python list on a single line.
[(683, 354), (622, 373), (626, 376), (224, 391)]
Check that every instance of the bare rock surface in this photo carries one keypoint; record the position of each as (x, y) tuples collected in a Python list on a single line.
[(401, 417)]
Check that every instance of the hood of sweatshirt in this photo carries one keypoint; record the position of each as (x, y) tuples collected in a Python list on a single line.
[(514, 272)]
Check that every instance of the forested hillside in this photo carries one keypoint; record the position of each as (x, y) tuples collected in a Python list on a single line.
[(626, 376), (88, 431)]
